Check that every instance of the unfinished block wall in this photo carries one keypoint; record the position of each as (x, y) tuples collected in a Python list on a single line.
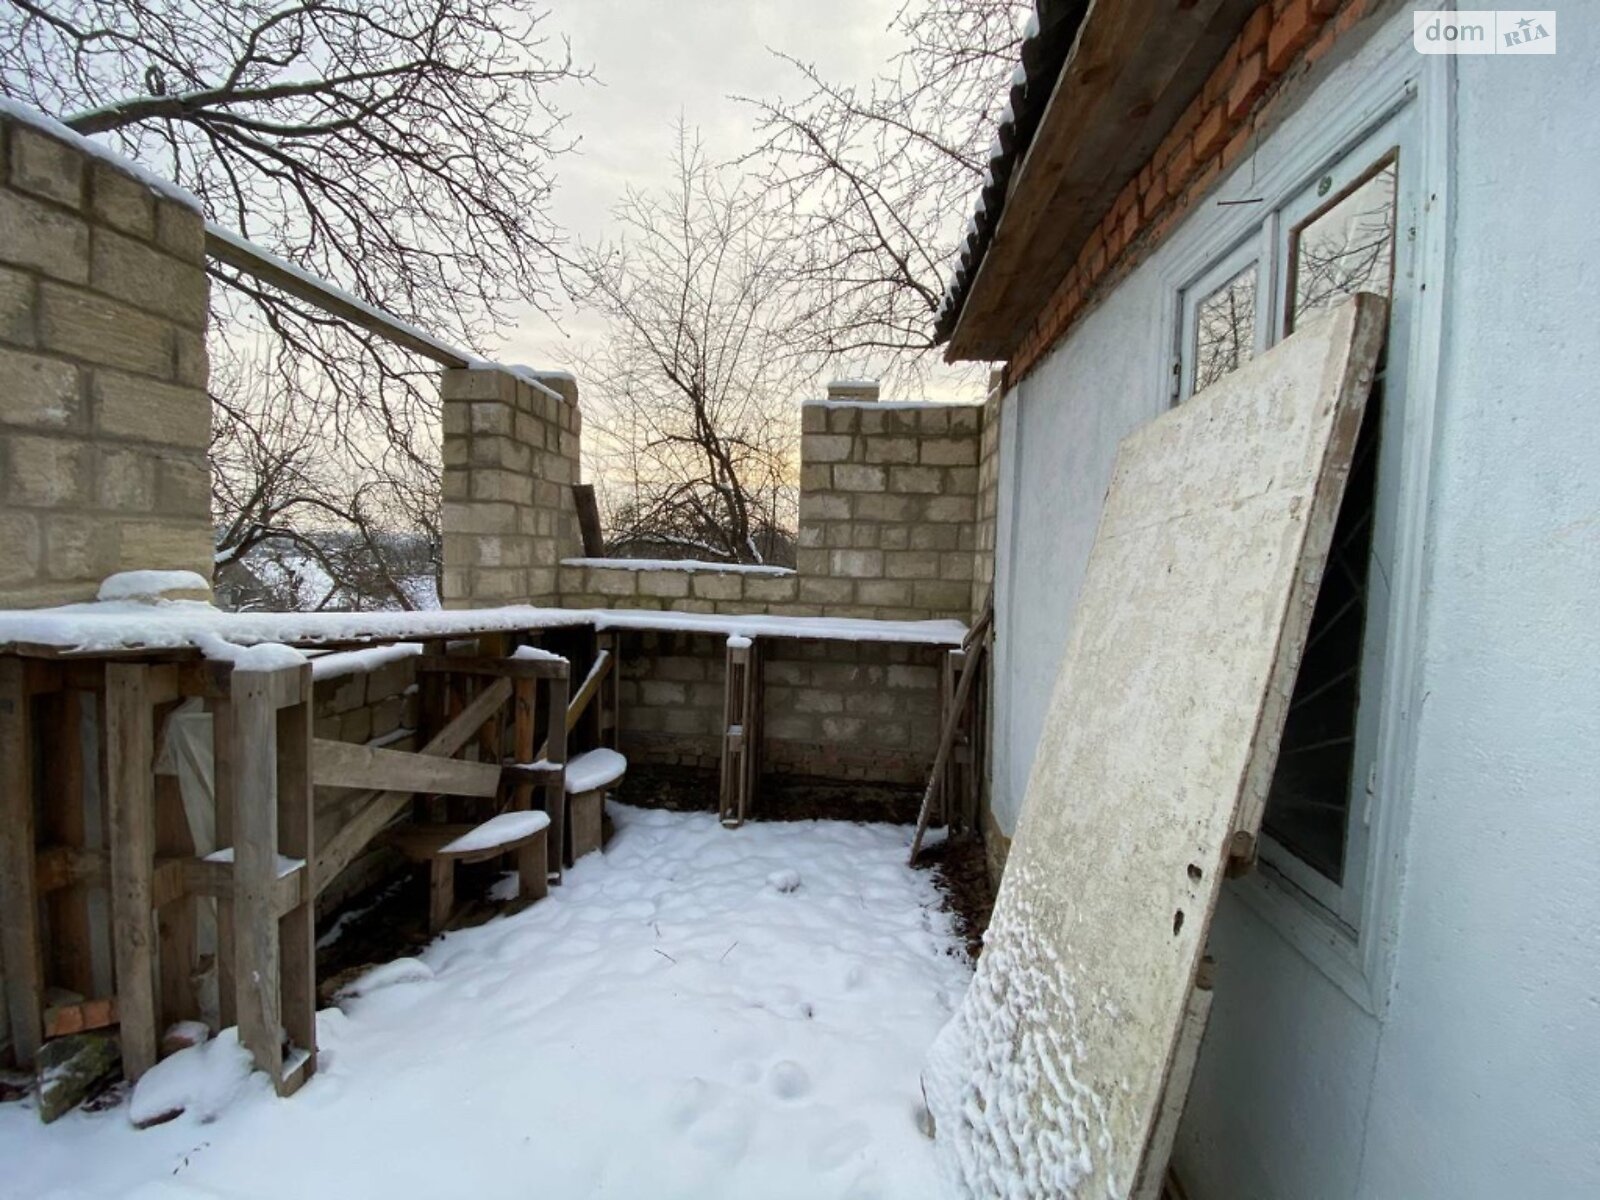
[(888, 502), (698, 587), (510, 460), (104, 417)]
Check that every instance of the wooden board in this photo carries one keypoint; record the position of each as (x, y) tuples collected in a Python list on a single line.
[(1157, 748), (347, 765)]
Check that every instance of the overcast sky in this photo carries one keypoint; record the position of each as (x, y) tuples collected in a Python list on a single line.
[(656, 59)]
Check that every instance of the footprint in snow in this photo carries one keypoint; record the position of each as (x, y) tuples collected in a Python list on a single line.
[(788, 1080), (784, 881)]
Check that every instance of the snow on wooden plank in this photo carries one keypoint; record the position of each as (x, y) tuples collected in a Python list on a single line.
[(99, 628), (1158, 746)]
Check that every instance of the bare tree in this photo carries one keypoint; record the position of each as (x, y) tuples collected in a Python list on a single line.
[(692, 423), (879, 179), (401, 148)]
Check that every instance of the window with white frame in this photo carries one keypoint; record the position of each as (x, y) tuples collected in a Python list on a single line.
[(1330, 238)]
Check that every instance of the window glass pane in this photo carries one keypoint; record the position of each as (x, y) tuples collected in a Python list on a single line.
[(1224, 330), (1349, 248)]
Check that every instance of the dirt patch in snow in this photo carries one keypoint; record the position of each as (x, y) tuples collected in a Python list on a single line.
[(781, 798), (962, 875)]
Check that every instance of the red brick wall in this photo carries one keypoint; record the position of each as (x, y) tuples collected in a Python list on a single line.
[(1281, 41)]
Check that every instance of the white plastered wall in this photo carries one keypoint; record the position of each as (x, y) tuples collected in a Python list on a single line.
[(1473, 1069)]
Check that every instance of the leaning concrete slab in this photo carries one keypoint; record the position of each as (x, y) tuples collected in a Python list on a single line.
[(1156, 752)]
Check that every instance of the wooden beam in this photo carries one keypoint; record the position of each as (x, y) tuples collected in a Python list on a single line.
[(594, 542), (227, 247), (297, 934), (341, 849), (497, 666), (952, 724), (130, 838), (19, 903), (347, 765)]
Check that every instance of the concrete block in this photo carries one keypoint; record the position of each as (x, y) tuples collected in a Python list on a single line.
[(39, 392), (891, 450), (133, 406), (23, 559), (180, 231), (950, 452), (852, 477), (718, 587), (952, 509), (920, 480), (41, 237), (130, 270), (84, 325), (860, 564), (667, 585), (46, 167), (121, 201), (825, 591), (772, 589), (165, 544), (125, 479), (824, 448), (46, 472), (16, 307), (877, 592), (912, 564), (81, 547)]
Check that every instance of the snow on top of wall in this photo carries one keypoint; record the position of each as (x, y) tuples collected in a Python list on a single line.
[(100, 627), (891, 405), (138, 585), (257, 656), (25, 115), (690, 565), (339, 663), (844, 629), (528, 375)]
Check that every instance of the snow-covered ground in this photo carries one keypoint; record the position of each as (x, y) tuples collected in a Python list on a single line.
[(698, 1013)]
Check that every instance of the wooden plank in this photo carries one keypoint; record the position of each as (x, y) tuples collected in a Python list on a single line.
[(297, 936), (177, 921), (496, 666), (130, 841), (341, 849), (947, 736), (257, 961), (1158, 743), (555, 788), (594, 542), (64, 823), (347, 765), (227, 247), (223, 774), (19, 904)]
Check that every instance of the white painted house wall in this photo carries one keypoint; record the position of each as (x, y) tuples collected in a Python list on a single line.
[(1455, 1051)]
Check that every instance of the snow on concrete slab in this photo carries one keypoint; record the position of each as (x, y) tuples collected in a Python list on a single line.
[(122, 625), (690, 565), (665, 1024), (935, 633)]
